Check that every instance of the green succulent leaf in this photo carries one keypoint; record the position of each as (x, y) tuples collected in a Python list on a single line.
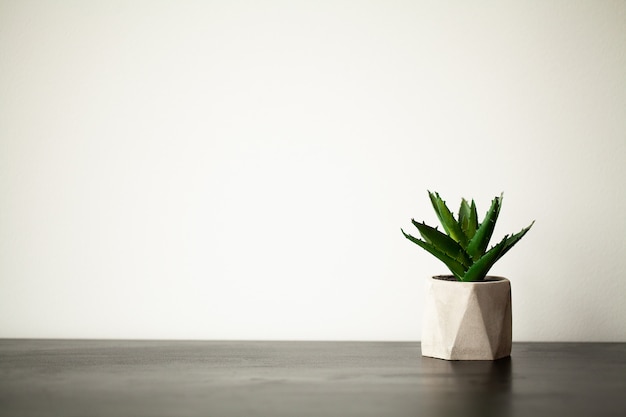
[(449, 223), (468, 219), (443, 243), (478, 244), (464, 214), (457, 269), (479, 269), (512, 240), (473, 222), (463, 246)]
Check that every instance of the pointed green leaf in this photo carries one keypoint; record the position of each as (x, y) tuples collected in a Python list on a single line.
[(479, 242), (454, 266), (480, 268), (467, 219), (449, 223), (478, 271), (443, 242), (464, 213), (473, 222), (512, 240), (433, 200)]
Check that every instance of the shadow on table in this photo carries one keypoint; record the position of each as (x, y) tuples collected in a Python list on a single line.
[(468, 388)]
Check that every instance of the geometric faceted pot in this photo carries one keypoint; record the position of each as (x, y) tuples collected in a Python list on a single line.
[(467, 320)]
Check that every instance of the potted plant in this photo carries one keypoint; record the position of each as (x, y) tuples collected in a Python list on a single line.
[(467, 314)]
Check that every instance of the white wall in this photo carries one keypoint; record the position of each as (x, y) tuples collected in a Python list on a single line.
[(241, 169)]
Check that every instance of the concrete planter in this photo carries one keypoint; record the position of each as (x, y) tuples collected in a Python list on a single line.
[(467, 320)]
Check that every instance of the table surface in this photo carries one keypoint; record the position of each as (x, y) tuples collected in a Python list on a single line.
[(176, 378)]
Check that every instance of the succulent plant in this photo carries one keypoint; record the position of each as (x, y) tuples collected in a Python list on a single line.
[(463, 246)]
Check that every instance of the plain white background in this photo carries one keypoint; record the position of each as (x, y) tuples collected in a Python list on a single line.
[(242, 169)]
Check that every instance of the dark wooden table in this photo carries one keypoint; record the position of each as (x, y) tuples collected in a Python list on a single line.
[(384, 379)]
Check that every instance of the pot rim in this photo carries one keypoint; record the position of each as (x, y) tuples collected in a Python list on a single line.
[(489, 279)]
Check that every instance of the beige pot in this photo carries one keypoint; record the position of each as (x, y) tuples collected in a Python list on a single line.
[(467, 320)]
